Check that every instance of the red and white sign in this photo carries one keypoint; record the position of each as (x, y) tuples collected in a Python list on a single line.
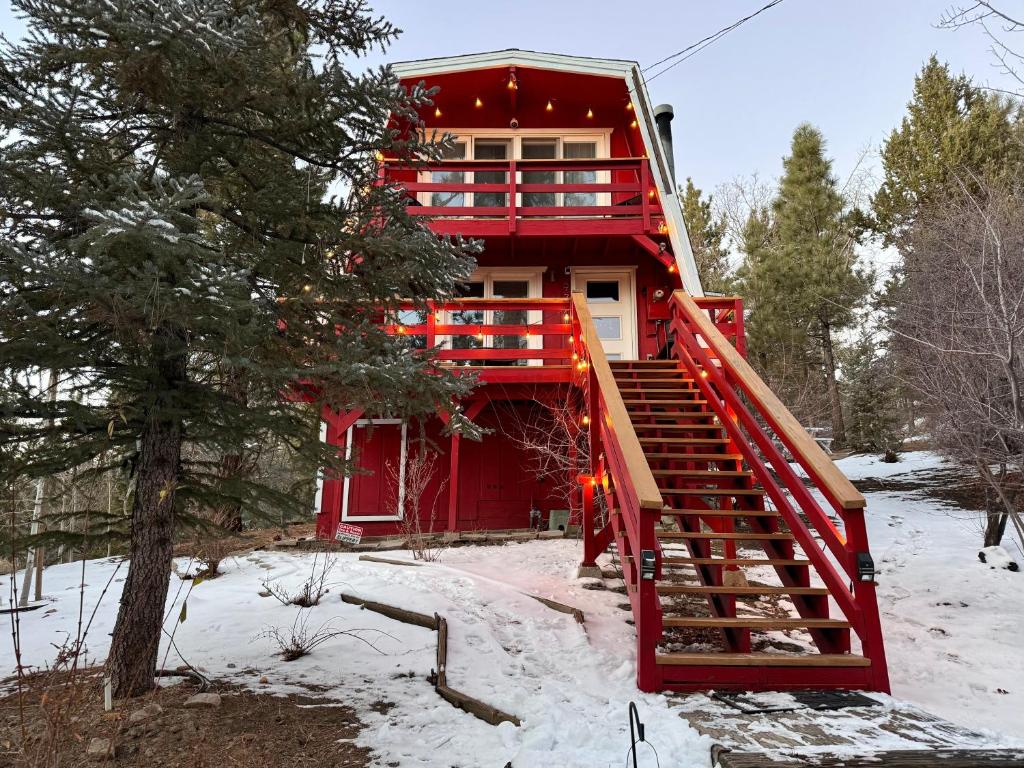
[(349, 534)]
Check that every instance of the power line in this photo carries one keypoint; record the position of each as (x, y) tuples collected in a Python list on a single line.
[(700, 45)]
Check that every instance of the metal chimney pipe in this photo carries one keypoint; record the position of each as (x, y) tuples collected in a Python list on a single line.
[(663, 114)]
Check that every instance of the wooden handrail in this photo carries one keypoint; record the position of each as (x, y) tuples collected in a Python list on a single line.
[(644, 484), (808, 453)]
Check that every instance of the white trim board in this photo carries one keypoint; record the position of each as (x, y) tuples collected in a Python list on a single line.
[(401, 474)]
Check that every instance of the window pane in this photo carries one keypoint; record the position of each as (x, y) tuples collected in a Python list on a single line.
[(602, 291), (490, 150), (472, 290), (408, 317), (539, 149), (608, 327), (455, 152), (511, 289), (580, 150)]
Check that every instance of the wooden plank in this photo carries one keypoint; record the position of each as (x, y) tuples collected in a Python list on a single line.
[(699, 473), (554, 605), (685, 440), (731, 561), (701, 589), (475, 707), (752, 622), (442, 651), (762, 660), (644, 485), (722, 512), (801, 444), (713, 491), (730, 536), (398, 614), (372, 559)]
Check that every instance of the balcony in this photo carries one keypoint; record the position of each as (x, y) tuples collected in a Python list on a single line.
[(481, 198)]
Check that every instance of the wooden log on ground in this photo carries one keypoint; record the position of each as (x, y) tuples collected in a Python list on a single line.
[(398, 614), (576, 613), (475, 707), (372, 559), (442, 652)]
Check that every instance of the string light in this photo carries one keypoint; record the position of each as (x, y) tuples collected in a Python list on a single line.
[(650, 194), (590, 114), (307, 288), (513, 84), (703, 374), (480, 337), (629, 106), (437, 111), (671, 268), (585, 421), (478, 103), (565, 317), (550, 107), (633, 124), (401, 330)]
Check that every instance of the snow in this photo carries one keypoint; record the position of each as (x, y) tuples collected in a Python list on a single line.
[(569, 684), (951, 623), (996, 557), (952, 626)]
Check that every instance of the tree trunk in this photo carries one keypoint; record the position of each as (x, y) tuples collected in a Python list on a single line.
[(995, 527), (134, 648), (838, 426)]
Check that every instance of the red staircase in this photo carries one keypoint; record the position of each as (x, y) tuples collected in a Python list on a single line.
[(736, 574)]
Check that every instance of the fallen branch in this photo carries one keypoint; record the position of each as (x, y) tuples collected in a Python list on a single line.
[(372, 559)]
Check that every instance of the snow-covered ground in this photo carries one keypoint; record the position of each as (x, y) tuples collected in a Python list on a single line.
[(952, 628), (953, 625)]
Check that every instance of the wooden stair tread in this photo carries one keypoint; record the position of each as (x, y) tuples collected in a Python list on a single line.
[(701, 473), (752, 622), (631, 404), (730, 536), (730, 561), (681, 427), (685, 440), (652, 380), (701, 589), (763, 660), (696, 457), (653, 390), (712, 491), (722, 512)]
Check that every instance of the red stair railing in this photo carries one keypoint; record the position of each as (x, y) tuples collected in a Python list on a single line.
[(743, 403), (632, 492)]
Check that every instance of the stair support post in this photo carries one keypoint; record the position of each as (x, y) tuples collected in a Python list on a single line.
[(648, 623), (864, 593)]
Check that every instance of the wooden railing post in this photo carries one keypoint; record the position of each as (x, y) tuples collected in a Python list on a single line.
[(589, 555), (512, 197), (645, 200)]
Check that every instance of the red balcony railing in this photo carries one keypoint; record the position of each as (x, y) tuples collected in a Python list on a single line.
[(505, 340), (610, 195)]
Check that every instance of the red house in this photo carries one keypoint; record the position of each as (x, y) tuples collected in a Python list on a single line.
[(615, 392)]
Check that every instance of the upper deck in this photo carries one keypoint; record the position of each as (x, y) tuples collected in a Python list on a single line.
[(545, 146)]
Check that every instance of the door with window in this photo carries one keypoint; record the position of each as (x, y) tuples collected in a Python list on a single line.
[(611, 298), (499, 283)]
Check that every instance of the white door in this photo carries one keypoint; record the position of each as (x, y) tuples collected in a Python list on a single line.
[(611, 296)]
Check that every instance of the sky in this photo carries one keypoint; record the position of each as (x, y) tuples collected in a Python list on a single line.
[(846, 66)]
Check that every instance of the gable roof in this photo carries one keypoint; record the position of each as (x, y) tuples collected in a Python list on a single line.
[(630, 72)]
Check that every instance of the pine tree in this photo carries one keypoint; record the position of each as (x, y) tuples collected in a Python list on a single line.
[(952, 133), (804, 282), (189, 193), (706, 239), (872, 397)]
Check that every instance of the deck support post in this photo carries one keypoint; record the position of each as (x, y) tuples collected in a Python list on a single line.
[(589, 540), (471, 412)]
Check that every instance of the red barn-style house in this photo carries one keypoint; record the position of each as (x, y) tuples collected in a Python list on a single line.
[(586, 322)]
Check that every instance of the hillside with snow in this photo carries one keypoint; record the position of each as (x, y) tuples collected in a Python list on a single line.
[(951, 624)]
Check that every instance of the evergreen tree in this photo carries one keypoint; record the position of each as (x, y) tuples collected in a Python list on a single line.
[(872, 397), (706, 239), (165, 233), (952, 133), (805, 282)]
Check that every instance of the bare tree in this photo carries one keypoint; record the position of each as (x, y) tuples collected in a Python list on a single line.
[(999, 27), (552, 434), (407, 492), (960, 329)]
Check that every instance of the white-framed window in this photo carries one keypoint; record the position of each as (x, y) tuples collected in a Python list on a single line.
[(381, 477), (500, 283), (525, 144)]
